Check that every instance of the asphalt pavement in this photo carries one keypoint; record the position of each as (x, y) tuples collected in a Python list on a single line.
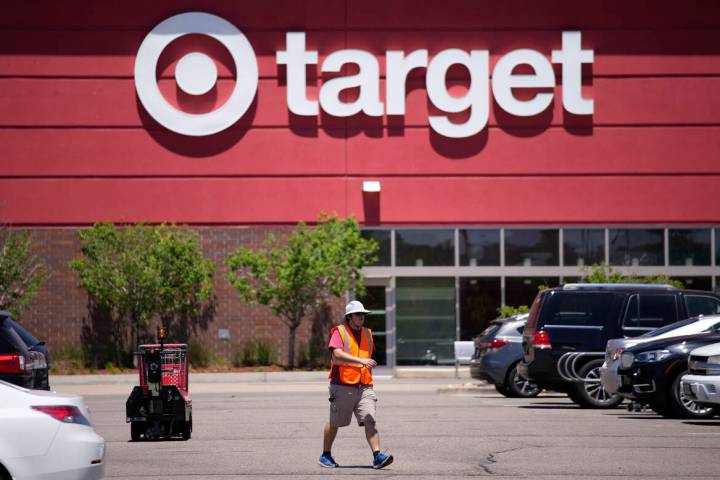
[(435, 428)]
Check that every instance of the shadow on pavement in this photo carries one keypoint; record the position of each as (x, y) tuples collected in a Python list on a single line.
[(713, 423)]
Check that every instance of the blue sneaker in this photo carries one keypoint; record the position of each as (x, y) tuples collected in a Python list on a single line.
[(327, 461), (382, 459)]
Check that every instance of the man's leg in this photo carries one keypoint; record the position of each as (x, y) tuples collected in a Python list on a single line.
[(329, 433), (373, 436)]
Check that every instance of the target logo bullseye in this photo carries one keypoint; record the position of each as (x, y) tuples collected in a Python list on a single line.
[(196, 74)]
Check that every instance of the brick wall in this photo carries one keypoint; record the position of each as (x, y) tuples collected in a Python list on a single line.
[(61, 308)]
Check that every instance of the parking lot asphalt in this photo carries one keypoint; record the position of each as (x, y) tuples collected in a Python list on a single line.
[(435, 429)]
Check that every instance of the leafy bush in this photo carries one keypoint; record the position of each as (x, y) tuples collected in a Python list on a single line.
[(506, 311), (202, 356), (68, 358), (255, 352)]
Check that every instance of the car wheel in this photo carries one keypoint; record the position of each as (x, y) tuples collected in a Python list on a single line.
[(503, 390), (590, 393), (136, 430), (4, 474), (186, 429), (520, 387), (681, 406)]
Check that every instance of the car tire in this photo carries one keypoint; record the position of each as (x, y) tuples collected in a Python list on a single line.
[(520, 387), (503, 390), (136, 430), (678, 406), (592, 394), (186, 429), (4, 474)]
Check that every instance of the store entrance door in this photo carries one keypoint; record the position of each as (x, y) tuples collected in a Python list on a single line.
[(378, 299)]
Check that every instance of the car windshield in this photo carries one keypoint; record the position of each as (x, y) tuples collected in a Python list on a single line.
[(667, 328)]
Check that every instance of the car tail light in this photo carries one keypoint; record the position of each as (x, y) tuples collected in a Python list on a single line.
[(64, 413), (541, 340), (12, 363), (494, 343)]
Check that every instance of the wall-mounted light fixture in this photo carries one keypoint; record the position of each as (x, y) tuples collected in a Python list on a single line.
[(371, 186)]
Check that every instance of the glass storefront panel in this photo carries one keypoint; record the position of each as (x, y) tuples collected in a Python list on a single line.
[(425, 320), (696, 283), (382, 237), (583, 246), (522, 291), (689, 247), (479, 247), (374, 300), (717, 247), (526, 247), (424, 248), (479, 301), (637, 247)]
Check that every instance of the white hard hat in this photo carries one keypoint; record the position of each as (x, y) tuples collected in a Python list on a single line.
[(355, 307)]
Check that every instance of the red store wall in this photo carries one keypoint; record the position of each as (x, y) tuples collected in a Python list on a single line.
[(78, 146)]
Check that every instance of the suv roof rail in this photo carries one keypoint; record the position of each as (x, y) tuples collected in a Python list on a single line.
[(581, 286)]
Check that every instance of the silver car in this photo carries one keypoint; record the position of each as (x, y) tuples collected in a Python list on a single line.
[(691, 326)]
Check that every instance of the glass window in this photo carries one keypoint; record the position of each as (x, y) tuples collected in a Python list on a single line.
[(423, 248), (690, 247), (583, 246), (382, 237), (374, 300), (696, 283), (479, 247), (636, 247), (702, 305), (522, 291), (650, 311), (717, 247), (479, 301), (525, 247), (425, 321), (577, 309)]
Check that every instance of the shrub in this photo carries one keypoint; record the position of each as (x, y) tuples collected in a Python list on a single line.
[(255, 352), (68, 358)]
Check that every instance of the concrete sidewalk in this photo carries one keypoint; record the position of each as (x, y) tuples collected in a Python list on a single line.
[(380, 373)]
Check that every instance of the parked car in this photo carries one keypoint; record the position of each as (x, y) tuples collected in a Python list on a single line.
[(568, 329), (650, 374), (498, 349), (47, 435), (41, 357), (702, 382), (691, 326), (16, 361), (36, 359)]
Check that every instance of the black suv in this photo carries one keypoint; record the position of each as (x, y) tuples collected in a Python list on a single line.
[(565, 337), (650, 374)]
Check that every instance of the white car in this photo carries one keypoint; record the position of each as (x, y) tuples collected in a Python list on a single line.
[(46, 435), (691, 326), (702, 383)]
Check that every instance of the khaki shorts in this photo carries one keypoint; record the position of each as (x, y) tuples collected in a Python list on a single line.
[(346, 400)]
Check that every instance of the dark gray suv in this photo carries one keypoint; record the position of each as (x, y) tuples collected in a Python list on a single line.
[(498, 349)]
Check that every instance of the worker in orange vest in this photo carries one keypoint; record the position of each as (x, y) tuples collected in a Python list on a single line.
[(351, 384)]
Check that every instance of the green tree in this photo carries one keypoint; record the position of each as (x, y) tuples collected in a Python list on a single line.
[(141, 271), (292, 276), (506, 311), (604, 273), (22, 273)]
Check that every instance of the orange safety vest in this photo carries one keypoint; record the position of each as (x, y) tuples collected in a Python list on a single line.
[(352, 372)]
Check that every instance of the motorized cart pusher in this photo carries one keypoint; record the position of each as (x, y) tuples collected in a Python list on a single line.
[(160, 406)]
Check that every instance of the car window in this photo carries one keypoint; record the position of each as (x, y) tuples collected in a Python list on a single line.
[(578, 308), (650, 311), (667, 328), (29, 340), (702, 305), (9, 340)]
